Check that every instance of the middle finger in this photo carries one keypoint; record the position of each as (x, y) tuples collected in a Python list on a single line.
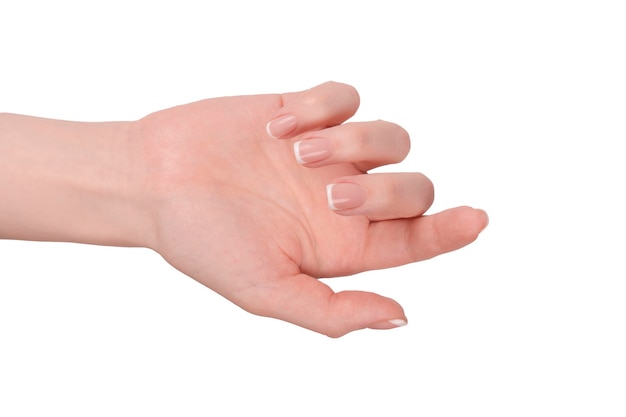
[(367, 145)]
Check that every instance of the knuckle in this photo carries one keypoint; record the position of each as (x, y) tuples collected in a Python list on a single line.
[(360, 136)]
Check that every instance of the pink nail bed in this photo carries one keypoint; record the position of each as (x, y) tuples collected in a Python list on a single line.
[(345, 195), (281, 126), (311, 150)]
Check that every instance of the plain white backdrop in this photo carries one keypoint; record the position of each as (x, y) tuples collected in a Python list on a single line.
[(515, 107)]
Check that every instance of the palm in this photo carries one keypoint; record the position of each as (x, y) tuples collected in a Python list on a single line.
[(268, 206)]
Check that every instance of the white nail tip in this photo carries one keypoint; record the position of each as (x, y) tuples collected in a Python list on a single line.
[(398, 322), (329, 196), (296, 151), (267, 129)]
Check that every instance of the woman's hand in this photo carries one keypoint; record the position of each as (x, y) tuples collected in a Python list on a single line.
[(259, 218)]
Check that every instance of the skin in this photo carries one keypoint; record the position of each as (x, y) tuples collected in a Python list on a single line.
[(208, 188)]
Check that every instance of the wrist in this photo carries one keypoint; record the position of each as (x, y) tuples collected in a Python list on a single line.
[(126, 192), (71, 181)]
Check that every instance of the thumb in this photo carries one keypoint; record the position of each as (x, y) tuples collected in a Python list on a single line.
[(307, 302), (325, 105)]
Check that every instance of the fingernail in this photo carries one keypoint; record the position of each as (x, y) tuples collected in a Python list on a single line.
[(345, 195), (311, 150), (282, 126), (389, 324)]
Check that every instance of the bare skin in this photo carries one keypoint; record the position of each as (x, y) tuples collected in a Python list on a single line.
[(208, 187)]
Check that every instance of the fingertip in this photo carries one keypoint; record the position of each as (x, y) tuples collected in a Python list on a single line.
[(472, 221), (350, 92), (464, 227), (484, 218)]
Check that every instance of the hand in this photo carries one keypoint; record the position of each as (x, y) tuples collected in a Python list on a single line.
[(241, 212)]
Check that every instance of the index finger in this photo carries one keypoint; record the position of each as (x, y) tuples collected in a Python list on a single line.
[(323, 106)]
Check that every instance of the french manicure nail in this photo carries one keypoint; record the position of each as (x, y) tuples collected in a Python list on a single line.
[(389, 324), (311, 150), (345, 195), (281, 126)]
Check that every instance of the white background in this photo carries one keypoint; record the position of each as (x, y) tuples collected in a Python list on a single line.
[(515, 107)]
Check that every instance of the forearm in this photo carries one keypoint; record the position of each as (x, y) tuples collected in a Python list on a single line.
[(70, 181)]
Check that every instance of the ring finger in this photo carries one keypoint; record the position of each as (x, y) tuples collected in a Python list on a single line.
[(381, 196)]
